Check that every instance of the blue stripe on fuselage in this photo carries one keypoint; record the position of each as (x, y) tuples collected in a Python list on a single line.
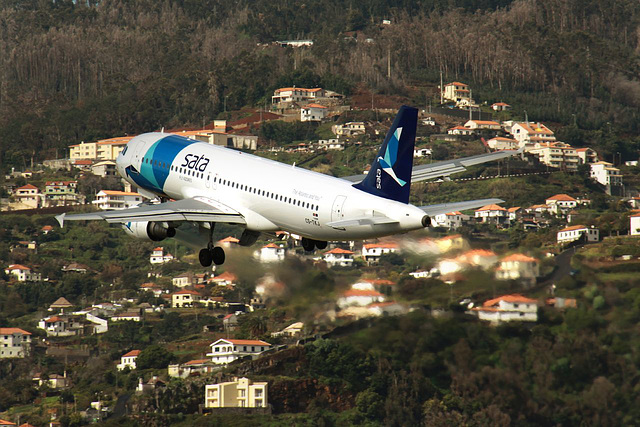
[(162, 153)]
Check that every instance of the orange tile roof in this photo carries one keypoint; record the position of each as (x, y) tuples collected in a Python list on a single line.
[(451, 237), (198, 362), (485, 122), (6, 423), (229, 240), (27, 187), (117, 140), (536, 128), (186, 292), (381, 245), (337, 251), (382, 304), (315, 106), (246, 342), (9, 331), (132, 353), (502, 104), (456, 83), (119, 193), (285, 89), (54, 319), (562, 198), (227, 275), (83, 162), (361, 293), (271, 245), (454, 213), (574, 227), (515, 298), (18, 267), (492, 207), (518, 258), (513, 209)]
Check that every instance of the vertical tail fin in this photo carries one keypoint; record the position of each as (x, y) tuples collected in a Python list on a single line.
[(390, 173)]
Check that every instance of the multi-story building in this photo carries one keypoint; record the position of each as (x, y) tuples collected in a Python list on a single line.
[(518, 267), (23, 273), (360, 297), (271, 253), (502, 143), (296, 94), (349, 129), (116, 200), (29, 196), (482, 124), (158, 256), (561, 203), (185, 298), (555, 154), (508, 308), (634, 224), (587, 155), (106, 149), (529, 133), (606, 174), (128, 360), (371, 252), (239, 393), (14, 342), (224, 351), (576, 232), (313, 113), (61, 193), (493, 214), (451, 220), (456, 91), (338, 257)]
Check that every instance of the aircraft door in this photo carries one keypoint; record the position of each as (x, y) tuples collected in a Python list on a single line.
[(337, 211)]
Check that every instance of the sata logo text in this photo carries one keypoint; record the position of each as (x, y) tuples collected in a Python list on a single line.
[(195, 162)]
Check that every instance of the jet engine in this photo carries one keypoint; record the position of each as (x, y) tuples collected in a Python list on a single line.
[(149, 230)]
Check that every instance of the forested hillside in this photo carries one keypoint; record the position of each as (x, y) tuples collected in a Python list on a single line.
[(77, 72)]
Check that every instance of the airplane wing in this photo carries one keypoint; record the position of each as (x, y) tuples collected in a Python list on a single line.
[(198, 209), (447, 167), (444, 208), (364, 220)]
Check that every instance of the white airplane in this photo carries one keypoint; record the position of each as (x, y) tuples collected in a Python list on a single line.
[(200, 184)]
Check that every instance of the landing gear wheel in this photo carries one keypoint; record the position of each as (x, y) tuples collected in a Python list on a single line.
[(205, 256), (308, 244), (321, 245), (218, 255)]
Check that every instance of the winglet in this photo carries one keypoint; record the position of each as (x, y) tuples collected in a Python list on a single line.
[(60, 219)]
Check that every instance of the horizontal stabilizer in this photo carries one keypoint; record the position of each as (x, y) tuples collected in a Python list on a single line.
[(433, 210), (197, 209)]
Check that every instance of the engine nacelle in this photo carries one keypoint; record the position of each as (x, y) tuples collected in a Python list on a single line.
[(149, 230)]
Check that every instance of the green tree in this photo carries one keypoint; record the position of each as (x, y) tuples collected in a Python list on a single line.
[(154, 357)]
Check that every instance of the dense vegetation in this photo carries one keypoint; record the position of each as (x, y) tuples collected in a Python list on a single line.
[(72, 72)]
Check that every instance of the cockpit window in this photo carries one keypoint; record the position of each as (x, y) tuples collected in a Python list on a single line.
[(125, 150)]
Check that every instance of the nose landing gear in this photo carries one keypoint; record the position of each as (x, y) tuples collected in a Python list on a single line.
[(211, 254)]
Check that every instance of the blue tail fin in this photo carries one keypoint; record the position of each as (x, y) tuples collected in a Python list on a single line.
[(390, 173)]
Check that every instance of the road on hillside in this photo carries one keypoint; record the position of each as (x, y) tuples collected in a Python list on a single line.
[(563, 266)]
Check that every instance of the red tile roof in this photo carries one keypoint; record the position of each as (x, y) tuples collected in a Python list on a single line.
[(361, 293), (18, 267), (11, 331), (132, 353), (562, 198), (198, 362), (186, 291), (518, 258), (27, 187), (244, 342), (574, 227), (338, 251), (389, 245), (492, 207), (515, 298)]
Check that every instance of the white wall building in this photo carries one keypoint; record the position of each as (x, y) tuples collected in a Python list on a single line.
[(225, 351), (239, 393), (128, 360), (575, 232), (606, 174), (115, 200), (530, 133), (14, 343), (313, 113), (271, 253), (482, 124), (371, 252), (349, 129), (159, 257), (451, 220), (518, 267), (359, 297), (502, 143), (561, 203), (338, 257), (23, 273), (508, 308), (634, 224), (185, 298)]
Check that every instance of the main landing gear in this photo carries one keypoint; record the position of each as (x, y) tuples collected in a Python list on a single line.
[(310, 244), (211, 254)]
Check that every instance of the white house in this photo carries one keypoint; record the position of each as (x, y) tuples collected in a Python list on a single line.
[(225, 279), (502, 143), (271, 253), (634, 224), (338, 257), (14, 343), (239, 393), (331, 144), (359, 297), (530, 133), (116, 200), (606, 174), (518, 267), (61, 326), (500, 106), (482, 124), (22, 273), (349, 129), (293, 330), (575, 232), (28, 196), (296, 94), (185, 298), (556, 154), (508, 308), (197, 366), (419, 152), (128, 360), (313, 113), (493, 214), (460, 130), (159, 257), (104, 168), (456, 91), (561, 203), (225, 351), (371, 252), (132, 316), (451, 220), (587, 155)]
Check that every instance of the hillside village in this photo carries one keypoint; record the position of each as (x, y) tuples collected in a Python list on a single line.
[(153, 321)]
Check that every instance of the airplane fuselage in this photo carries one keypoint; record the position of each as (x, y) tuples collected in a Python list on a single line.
[(271, 196)]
